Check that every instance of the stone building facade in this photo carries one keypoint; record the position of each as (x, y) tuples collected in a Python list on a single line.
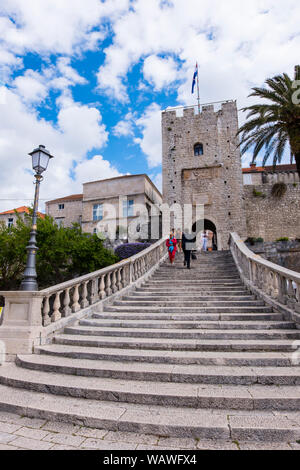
[(66, 210), (202, 166), (125, 195), (112, 202)]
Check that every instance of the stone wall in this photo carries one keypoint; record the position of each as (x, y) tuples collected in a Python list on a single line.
[(286, 254), (213, 179), (270, 217), (70, 214)]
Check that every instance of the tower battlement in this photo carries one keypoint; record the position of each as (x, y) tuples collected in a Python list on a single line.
[(192, 111)]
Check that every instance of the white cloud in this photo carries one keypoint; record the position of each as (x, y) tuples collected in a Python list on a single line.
[(95, 169), (124, 128), (233, 42), (160, 72), (33, 87), (150, 143), (30, 87), (79, 129), (55, 26)]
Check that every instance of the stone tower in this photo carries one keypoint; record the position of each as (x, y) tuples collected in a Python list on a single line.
[(202, 165)]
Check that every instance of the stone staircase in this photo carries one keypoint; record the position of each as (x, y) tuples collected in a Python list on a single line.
[(191, 353)]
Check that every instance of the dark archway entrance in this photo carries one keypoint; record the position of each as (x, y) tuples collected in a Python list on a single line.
[(208, 225)]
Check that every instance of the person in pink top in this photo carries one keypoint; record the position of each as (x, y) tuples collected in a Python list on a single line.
[(171, 243)]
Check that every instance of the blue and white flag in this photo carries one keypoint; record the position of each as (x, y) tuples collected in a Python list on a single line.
[(194, 77)]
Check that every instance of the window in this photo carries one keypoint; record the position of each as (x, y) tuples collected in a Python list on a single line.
[(59, 222), (128, 208), (198, 150), (10, 222), (61, 206), (247, 178), (98, 212)]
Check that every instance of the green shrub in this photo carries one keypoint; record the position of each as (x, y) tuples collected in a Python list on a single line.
[(279, 190), (63, 253), (251, 240), (258, 193), (283, 239)]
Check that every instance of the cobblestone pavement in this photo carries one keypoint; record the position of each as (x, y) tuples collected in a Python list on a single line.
[(19, 433)]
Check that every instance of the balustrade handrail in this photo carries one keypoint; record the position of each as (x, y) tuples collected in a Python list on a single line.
[(261, 261), (102, 271), (277, 285)]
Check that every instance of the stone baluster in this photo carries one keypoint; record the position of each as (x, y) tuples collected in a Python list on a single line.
[(119, 279), (76, 305), (114, 282), (125, 275), (102, 293), (108, 284), (67, 309), (84, 300), (291, 294), (282, 289), (46, 311), (94, 290), (56, 315)]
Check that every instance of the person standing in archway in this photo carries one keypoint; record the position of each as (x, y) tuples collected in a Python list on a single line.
[(172, 247), (210, 240), (204, 240)]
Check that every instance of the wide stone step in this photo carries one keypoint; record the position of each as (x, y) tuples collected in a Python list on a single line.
[(176, 344), (193, 374), (175, 324), (190, 317), (183, 310), (203, 358), (189, 297), (194, 282), (198, 270), (243, 397), (159, 420), (188, 303), (189, 274), (184, 334), (209, 291)]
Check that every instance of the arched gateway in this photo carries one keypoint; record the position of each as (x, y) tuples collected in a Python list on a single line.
[(205, 224)]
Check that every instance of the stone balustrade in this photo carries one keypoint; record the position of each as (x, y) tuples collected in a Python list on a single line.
[(279, 286), (31, 317), (69, 297)]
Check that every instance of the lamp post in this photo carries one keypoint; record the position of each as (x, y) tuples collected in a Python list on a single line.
[(40, 160)]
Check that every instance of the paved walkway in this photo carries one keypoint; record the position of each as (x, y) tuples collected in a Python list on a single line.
[(19, 433)]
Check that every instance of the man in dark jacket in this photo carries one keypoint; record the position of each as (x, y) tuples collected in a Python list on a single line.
[(188, 245)]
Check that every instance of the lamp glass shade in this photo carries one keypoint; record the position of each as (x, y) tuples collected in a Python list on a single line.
[(40, 159)]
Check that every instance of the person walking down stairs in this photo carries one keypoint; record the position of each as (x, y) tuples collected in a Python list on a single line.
[(172, 247)]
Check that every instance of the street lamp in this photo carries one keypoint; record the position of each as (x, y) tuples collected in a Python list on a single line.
[(40, 159)]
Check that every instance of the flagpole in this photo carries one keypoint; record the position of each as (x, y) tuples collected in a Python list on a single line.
[(198, 89)]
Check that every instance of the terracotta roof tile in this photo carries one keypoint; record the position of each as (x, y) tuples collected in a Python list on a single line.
[(21, 210)]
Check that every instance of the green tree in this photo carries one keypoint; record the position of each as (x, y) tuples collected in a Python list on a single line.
[(271, 125), (63, 253)]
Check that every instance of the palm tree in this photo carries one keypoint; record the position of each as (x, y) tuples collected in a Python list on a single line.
[(274, 124)]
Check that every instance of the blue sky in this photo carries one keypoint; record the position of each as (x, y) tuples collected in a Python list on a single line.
[(90, 79)]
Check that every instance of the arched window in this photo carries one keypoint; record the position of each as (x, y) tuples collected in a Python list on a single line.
[(198, 150)]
